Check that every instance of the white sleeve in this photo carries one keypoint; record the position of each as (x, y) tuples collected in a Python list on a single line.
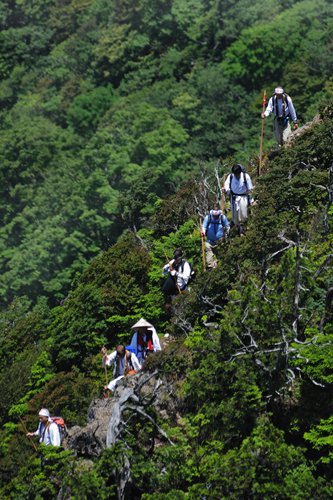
[(249, 182), (54, 434), (227, 185), (135, 362), (166, 269), (156, 340), (249, 187), (292, 109), (111, 358), (269, 108)]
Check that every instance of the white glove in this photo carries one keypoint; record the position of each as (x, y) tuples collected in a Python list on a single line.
[(173, 272)]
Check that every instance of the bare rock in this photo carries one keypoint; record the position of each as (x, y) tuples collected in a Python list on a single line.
[(90, 440), (301, 130)]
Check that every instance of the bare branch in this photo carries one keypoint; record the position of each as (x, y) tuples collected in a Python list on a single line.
[(321, 267), (329, 202)]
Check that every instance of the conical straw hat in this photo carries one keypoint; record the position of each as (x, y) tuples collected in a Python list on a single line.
[(142, 323)]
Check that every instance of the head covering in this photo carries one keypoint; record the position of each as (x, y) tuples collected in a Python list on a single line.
[(278, 90), (44, 413), (142, 323), (177, 254), (216, 212)]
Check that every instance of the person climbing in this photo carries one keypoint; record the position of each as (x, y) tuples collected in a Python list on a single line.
[(212, 227), (145, 340), (48, 430), (124, 362), (282, 106), (239, 186), (179, 271)]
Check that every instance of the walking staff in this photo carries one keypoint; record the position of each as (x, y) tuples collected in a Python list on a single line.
[(203, 247), (26, 432), (106, 374), (262, 130)]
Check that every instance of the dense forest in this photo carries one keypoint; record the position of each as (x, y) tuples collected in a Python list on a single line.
[(118, 120)]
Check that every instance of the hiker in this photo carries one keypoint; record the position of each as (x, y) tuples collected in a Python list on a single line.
[(239, 186), (282, 106), (145, 340), (124, 363), (179, 271), (48, 430), (212, 228)]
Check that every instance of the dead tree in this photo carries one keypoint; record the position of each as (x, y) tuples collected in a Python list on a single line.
[(133, 402), (329, 202)]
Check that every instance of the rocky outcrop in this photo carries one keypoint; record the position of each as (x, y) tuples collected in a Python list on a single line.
[(301, 130), (90, 441)]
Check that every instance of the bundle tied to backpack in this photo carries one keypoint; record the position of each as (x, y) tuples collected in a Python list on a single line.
[(170, 286)]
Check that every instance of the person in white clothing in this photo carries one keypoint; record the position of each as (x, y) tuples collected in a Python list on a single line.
[(239, 186), (124, 362), (180, 270), (48, 430), (282, 106), (145, 340)]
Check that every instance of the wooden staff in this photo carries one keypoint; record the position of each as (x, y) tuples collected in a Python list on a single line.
[(223, 196), (106, 376), (25, 429), (262, 130), (203, 249), (179, 290)]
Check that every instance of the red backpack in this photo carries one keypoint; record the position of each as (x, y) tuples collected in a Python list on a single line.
[(63, 431)]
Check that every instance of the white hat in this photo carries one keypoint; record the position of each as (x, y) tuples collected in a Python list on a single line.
[(142, 323), (44, 413), (278, 90)]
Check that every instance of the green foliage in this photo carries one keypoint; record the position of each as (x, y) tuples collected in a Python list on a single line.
[(86, 109), (110, 287), (107, 109)]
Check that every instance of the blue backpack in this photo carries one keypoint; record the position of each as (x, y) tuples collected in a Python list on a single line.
[(129, 348)]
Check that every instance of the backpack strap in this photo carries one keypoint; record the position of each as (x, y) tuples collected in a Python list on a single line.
[(47, 425), (244, 180)]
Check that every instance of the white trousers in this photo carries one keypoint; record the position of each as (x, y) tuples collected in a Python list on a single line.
[(113, 384), (242, 212), (281, 131)]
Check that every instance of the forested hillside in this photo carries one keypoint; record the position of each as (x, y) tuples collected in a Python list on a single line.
[(108, 105), (118, 121)]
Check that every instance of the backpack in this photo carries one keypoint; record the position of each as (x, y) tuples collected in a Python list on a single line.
[(131, 349), (284, 101), (63, 431), (210, 221)]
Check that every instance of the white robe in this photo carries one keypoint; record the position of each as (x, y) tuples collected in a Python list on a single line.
[(239, 204), (52, 434), (110, 360), (141, 354)]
